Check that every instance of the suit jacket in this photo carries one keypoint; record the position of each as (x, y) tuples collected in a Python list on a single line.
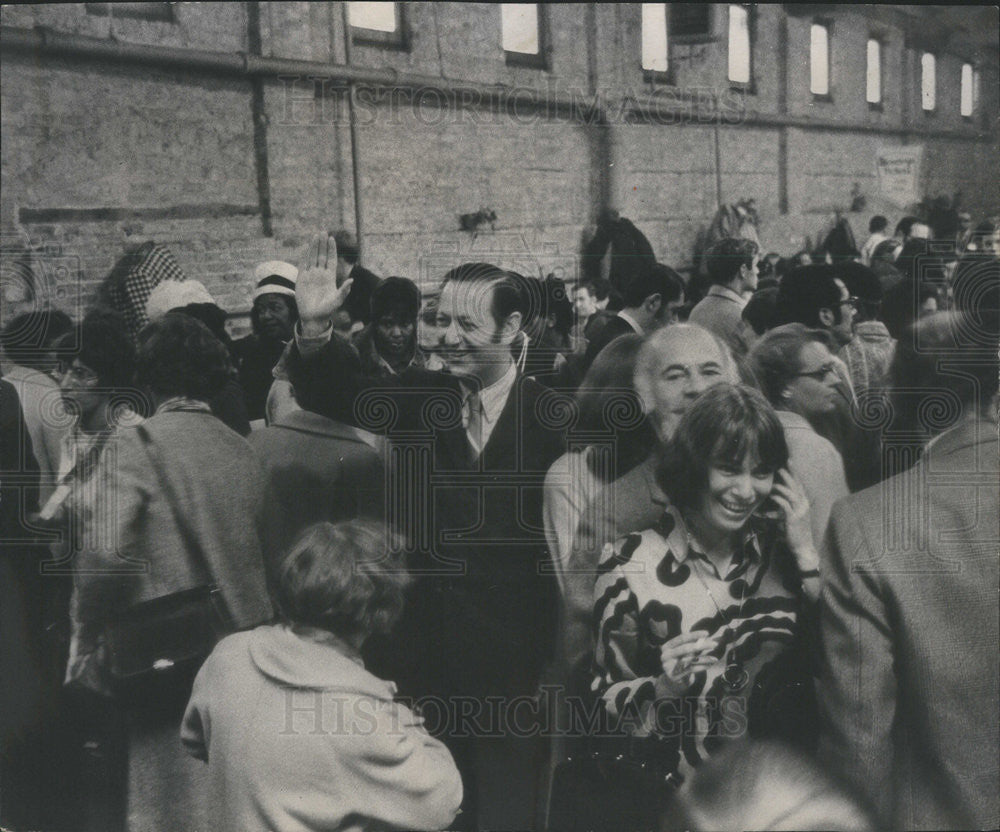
[(615, 327), (484, 607), (318, 470), (910, 688)]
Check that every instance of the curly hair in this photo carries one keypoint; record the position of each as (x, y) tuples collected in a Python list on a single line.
[(727, 256), (341, 578), (728, 423), (102, 343), (179, 356)]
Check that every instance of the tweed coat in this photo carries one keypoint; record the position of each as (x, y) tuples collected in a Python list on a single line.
[(910, 688)]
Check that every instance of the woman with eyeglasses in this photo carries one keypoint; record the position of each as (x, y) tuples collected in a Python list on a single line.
[(796, 369), (699, 616)]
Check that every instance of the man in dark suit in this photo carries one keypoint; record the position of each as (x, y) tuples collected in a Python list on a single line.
[(481, 620), (652, 299), (909, 689)]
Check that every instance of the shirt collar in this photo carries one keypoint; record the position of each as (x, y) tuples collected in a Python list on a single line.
[(493, 398), (749, 553), (632, 321), (725, 293)]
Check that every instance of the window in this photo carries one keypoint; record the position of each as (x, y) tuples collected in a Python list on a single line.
[(690, 20), (928, 82), (819, 59), (523, 34), (136, 11), (655, 49), (379, 24), (873, 84), (739, 45), (970, 90)]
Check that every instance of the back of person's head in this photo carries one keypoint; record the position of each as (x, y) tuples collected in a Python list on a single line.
[(398, 295), (653, 279), (945, 367), (725, 258), (179, 356), (759, 311), (774, 359), (27, 338), (331, 392), (102, 343), (599, 287), (509, 291), (905, 225), (976, 291), (341, 577), (210, 315), (877, 224), (803, 292), (609, 406), (347, 246), (768, 785), (728, 423), (863, 284)]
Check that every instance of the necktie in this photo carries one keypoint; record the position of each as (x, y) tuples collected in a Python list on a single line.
[(472, 419)]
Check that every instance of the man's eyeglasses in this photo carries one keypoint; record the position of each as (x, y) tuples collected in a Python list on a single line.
[(852, 301), (821, 373)]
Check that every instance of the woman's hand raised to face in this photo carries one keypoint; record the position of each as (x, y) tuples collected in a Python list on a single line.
[(317, 295), (791, 499), (684, 655)]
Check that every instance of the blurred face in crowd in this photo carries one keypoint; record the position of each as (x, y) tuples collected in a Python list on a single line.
[(843, 330), (584, 303), (749, 275), (470, 342), (813, 390), (689, 362), (80, 391), (395, 334), (274, 316)]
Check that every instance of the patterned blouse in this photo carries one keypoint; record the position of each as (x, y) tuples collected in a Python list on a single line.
[(652, 587)]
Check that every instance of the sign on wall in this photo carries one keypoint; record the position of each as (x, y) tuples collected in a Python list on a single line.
[(898, 171)]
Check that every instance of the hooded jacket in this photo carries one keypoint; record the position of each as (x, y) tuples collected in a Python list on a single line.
[(299, 736)]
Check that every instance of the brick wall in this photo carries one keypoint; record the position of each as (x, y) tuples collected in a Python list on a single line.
[(97, 156)]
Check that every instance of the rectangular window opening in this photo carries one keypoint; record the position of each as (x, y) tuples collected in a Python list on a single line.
[(739, 44), (655, 44), (873, 86), (819, 59), (968, 98), (928, 82), (524, 34), (379, 24)]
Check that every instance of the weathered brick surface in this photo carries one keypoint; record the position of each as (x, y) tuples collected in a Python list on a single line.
[(92, 136)]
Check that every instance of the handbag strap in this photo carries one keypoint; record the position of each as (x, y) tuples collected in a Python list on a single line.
[(191, 542)]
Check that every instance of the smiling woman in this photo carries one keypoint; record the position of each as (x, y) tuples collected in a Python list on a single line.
[(698, 616)]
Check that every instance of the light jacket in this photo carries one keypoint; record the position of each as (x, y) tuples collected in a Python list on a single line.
[(299, 736)]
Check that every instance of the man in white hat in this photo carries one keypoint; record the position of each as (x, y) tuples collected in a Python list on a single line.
[(273, 318)]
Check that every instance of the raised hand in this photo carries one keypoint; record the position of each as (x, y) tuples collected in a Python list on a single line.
[(316, 292), (791, 499)]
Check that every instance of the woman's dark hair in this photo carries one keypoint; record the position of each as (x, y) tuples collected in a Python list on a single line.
[(396, 294), (102, 343), (774, 359), (608, 404), (328, 386), (179, 356), (27, 339), (759, 311), (727, 423), (341, 577)]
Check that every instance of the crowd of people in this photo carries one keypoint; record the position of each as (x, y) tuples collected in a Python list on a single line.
[(395, 561)]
